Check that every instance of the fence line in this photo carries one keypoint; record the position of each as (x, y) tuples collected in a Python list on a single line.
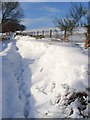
[(51, 33), (38, 33)]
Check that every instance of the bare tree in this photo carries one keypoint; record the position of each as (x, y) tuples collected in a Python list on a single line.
[(70, 21), (12, 14), (87, 25), (62, 25), (77, 11), (0, 5), (10, 11)]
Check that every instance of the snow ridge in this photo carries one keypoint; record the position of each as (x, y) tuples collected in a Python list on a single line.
[(57, 74), (43, 79)]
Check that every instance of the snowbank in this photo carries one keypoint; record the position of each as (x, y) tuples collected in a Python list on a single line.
[(43, 79), (56, 71)]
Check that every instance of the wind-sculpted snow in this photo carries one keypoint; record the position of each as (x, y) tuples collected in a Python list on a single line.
[(44, 79), (58, 72)]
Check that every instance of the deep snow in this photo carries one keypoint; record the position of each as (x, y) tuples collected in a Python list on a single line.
[(38, 77)]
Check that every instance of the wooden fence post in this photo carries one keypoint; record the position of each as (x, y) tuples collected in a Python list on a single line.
[(34, 34), (37, 33), (50, 33), (43, 33), (30, 33)]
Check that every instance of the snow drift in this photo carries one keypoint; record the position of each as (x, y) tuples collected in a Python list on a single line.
[(43, 79), (56, 70)]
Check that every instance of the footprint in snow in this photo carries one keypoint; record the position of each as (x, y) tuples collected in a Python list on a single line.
[(41, 69)]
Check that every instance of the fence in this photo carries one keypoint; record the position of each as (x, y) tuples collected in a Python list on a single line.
[(53, 34)]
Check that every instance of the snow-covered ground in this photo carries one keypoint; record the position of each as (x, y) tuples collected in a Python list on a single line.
[(43, 79)]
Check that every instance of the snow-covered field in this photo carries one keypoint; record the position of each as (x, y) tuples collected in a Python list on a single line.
[(43, 79)]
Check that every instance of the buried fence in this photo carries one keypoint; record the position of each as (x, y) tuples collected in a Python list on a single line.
[(53, 34), (34, 33)]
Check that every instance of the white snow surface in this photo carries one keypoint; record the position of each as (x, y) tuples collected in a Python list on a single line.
[(35, 74)]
